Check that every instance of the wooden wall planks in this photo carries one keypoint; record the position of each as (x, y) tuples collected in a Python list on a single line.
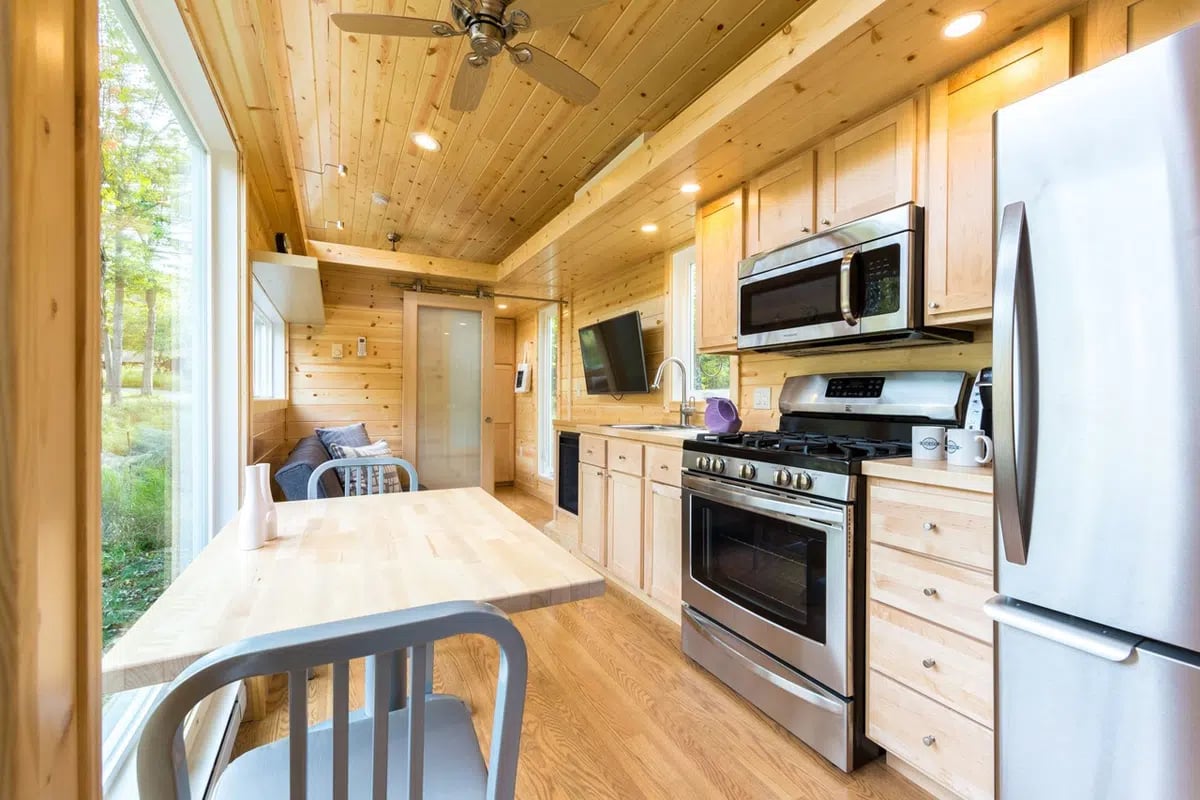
[(328, 392)]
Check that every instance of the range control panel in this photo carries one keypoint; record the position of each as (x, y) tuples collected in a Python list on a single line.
[(842, 388)]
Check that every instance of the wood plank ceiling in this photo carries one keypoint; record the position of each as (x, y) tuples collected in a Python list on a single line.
[(301, 94)]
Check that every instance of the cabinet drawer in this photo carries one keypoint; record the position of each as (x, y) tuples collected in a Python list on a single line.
[(946, 746), (933, 590), (944, 523), (946, 666), (663, 465), (625, 457), (593, 450)]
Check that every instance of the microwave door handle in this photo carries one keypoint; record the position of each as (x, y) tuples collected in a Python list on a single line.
[(1016, 349), (845, 284)]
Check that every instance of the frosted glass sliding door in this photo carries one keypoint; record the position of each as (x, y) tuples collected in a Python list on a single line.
[(449, 396)]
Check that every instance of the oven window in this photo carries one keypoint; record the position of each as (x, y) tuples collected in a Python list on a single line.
[(773, 568), (806, 297)]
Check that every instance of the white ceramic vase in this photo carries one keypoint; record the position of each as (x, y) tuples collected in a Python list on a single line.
[(271, 516), (252, 527)]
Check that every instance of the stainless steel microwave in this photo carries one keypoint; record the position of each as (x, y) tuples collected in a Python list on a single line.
[(857, 286)]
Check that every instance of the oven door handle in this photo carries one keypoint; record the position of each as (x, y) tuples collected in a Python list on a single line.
[(828, 519), (749, 658)]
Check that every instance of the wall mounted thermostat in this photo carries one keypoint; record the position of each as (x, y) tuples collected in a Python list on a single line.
[(362, 347), (337, 351)]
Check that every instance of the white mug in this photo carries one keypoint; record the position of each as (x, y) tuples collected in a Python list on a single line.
[(928, 443), (968, 448)]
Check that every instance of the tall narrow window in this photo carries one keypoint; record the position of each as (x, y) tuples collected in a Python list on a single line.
[(708, 375), (268, 349), (547, 388)]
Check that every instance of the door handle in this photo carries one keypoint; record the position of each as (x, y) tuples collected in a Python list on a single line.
[(1015, 327), (845, 281), (487, 420), (1087, 637)]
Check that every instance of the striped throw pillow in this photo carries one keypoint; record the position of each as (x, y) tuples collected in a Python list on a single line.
[(355, 478)]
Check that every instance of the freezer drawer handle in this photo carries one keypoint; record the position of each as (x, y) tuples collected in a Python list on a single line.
[(714, 638), (1088, 637)]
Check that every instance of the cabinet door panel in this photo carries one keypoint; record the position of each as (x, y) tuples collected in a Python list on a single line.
[(961, 218), (720, 246), (870, 168), (593, 512), (664, 543), (625, 527), (782, 205)]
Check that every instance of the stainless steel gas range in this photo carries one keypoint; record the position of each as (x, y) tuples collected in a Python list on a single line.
[(774, 567)]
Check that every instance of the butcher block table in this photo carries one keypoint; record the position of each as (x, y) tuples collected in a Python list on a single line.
[(342, 558)]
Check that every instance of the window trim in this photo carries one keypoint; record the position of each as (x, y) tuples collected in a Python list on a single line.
[(277, 367), (547, 390), (681, 272)]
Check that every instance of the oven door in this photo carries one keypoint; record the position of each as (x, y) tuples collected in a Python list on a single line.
[(773, 569), (866, 290)]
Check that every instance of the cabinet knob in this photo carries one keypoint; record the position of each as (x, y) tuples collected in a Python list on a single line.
[(934, 306), (929, 663), (929, 741), (929, 526), (805, 229), (663, 467), (620, 458), (929, 592), (826, 222)]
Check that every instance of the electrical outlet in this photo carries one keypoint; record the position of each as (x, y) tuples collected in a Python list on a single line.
[(362, 347), (337, 351), (762, 398)]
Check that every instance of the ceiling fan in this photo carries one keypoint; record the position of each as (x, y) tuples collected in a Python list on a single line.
[(490, 24)]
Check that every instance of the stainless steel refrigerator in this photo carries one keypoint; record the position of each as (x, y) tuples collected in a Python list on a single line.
[(1097, 422)]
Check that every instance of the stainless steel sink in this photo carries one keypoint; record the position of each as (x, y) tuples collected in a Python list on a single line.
[(652, 427)]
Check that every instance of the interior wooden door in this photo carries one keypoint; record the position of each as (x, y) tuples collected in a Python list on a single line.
[(448, 401)]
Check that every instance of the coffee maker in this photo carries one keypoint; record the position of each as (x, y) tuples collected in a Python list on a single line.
[(979, 407)]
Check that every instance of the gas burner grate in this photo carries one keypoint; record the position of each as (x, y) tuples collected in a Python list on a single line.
[(813, 444)]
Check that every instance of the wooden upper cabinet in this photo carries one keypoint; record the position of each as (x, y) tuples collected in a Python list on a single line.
[(1117, 27), (961, 215), (782, 205), (720, 246), (869, 168)]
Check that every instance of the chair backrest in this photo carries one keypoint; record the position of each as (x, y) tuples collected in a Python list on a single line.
[(162, 764), (368, 474)]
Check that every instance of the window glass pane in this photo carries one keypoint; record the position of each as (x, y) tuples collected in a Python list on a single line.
[(263, 356), (710, 373), (547, 388), (153, 263)]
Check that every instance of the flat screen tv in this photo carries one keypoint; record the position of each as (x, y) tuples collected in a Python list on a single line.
[(614, 358)]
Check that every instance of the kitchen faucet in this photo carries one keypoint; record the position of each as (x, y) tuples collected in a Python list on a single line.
[(687, 407)]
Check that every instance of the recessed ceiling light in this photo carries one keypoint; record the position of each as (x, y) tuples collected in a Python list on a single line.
[(650, 228), (690, 188), (380, 199), (426, 142), (502, 306), (961, 26)]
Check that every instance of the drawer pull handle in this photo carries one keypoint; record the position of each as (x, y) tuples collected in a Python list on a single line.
[(929, 592), (663, 467), (929, 663), (620, 458), (929, 741), (929, 526)]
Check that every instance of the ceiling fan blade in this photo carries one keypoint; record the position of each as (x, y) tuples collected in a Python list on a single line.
[(469, 86), (544, 13), (554, 74), (390, 25)]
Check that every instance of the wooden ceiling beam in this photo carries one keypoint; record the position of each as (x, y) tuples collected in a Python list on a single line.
[(406, 263)]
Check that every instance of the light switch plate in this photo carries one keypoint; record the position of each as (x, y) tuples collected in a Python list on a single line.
[(362, 347), (337, 351), (762, 398)]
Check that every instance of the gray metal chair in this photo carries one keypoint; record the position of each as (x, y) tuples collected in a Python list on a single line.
[(364, 469), (424, 751)]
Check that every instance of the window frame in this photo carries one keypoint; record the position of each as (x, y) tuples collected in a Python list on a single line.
[(158, 31), (682, 271), (547, 388), (272, 368)]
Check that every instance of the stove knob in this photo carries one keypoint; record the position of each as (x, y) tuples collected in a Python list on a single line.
[(804, 481), (749, 471), (703, 462), (718, 465), (783, 477)]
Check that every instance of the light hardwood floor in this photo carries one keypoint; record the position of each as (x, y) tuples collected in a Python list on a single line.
[(616, 711)]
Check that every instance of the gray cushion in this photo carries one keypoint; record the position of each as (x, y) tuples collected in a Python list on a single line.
[(292, 477), (454, 765), (348, 436)]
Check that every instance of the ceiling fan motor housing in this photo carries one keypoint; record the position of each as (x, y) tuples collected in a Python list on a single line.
[(485, 26)]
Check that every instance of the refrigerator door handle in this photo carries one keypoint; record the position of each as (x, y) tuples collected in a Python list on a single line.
[(1087, 637), (1015, 328)]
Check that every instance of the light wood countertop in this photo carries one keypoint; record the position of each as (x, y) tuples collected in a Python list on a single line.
[(674, 438), (934, 473), (344, 558)]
